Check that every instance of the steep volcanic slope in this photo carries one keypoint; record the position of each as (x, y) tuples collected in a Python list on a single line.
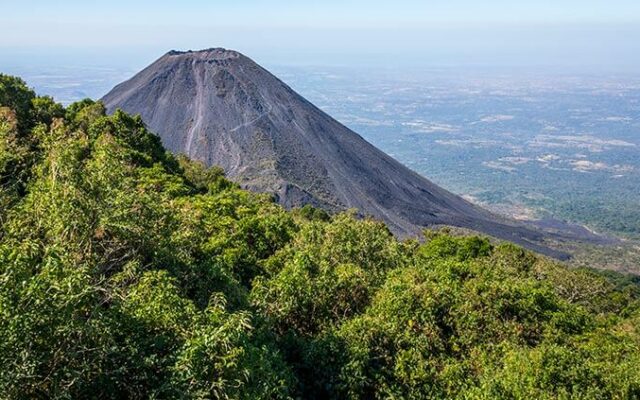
[(220, 107)]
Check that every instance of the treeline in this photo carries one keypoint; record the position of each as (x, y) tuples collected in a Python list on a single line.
[(621, 218), (126, 272)]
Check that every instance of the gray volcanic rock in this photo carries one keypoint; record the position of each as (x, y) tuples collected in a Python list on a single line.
[(220, 107)]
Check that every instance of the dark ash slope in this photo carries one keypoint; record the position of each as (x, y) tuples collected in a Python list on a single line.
[(222, 108)]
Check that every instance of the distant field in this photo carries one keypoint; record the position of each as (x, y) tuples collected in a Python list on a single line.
[(70, 83), (528, 145)]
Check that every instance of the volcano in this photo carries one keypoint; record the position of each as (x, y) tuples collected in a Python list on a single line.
[(220, 107)]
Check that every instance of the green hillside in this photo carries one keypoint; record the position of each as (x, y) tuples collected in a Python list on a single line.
[(126, 272)]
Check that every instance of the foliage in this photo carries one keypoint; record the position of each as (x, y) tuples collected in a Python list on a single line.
[(126, 272), (15, 95)]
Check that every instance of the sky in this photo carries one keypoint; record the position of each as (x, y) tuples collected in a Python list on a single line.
[(593, 34)]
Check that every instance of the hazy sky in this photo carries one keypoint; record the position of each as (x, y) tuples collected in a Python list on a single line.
[(590, 33)]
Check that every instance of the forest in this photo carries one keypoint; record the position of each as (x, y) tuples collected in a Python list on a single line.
[(129, 272)]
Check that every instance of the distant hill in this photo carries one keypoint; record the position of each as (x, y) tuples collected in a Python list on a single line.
[(220, 107)]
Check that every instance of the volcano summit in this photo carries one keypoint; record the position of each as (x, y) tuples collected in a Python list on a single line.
[(220, 107)]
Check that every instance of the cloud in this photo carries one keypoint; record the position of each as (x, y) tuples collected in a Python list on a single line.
[(430, 127), (588, 142), (547, 158), (497, 118), (590, 166), (515, 160), (507, 164), (475, 143), (498, 165), (615, 119), (356, 120)]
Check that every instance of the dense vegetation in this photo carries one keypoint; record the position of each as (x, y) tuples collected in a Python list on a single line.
[(126, 272)]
